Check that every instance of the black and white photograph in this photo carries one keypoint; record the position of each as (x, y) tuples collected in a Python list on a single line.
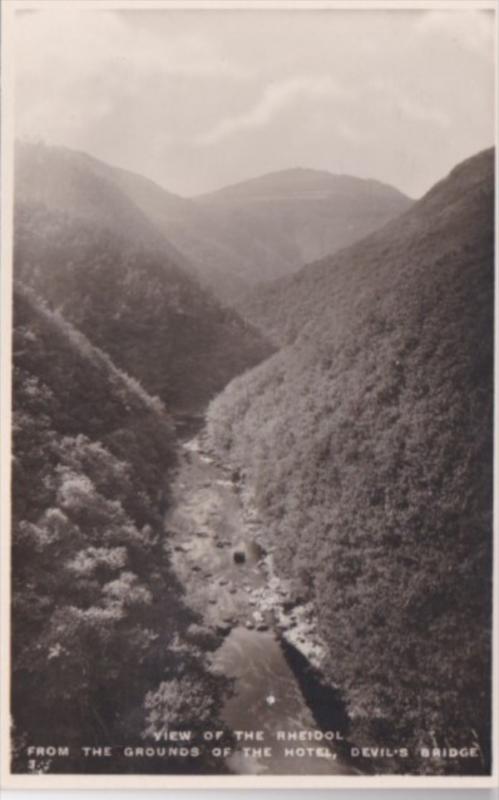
[(248, 284)]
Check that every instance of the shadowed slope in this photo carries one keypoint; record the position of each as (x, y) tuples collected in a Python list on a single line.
[(368, 441)]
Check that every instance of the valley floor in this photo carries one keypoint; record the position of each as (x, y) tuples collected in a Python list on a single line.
[(215, 544)]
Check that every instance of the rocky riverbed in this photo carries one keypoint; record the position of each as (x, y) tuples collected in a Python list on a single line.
[(268, 646), (219, 551)]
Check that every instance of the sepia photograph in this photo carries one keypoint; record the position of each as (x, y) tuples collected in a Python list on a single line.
[(248, 328)]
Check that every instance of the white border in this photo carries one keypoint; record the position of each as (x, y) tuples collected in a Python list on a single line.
[(41, 782), (257, 5), (253, 5)]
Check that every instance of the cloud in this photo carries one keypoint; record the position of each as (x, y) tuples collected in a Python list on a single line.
[(275, 98), (351, 134), (152, 90), (418, 112), (409, 106), (471, 30), (74, 68), (82, 43)]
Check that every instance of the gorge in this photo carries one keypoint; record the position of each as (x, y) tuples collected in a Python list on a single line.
[(278, 511)]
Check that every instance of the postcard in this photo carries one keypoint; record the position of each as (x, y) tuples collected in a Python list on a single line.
[(247, 394)]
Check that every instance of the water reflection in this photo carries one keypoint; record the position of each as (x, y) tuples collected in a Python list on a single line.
[(267, 698)]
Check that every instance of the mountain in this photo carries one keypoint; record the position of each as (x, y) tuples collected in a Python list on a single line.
[(267, 226), (282, 220), (211, 257), (88, 250), (77, 185), (124, 202), (93, 453), (368, 444), (284, 307), (229, 240)]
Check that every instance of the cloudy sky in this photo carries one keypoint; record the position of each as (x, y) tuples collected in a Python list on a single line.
[(200, 99)]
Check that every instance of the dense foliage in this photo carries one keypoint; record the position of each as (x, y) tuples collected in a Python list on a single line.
[(230, 239), (135, 303), (368, 441), (100, 631), (281, 308)]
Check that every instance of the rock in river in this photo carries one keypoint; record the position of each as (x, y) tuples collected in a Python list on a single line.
[(223, 628)]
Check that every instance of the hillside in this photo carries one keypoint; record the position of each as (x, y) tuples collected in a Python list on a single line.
[(368, 444), (285, 219), (92, 458), (282, 308), (267, 226), (96, 258), (229, 240), (73, 182), (211, 256)]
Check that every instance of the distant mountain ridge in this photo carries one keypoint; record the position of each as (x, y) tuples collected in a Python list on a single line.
[(284, 307), (300, 180), (230, 239), (79, 185), (86, 248), (288, 218)]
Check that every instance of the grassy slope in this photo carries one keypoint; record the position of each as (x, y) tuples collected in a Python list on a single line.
[(368, 441)]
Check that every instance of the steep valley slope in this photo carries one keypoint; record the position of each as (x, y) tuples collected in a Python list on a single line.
[(95, 640), (367, 442), (228, 240), (93, 255)]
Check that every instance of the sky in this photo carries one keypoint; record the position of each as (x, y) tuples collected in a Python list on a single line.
[(200, 99)]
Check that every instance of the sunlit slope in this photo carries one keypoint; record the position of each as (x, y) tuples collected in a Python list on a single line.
[(90, 252), (229, 240)]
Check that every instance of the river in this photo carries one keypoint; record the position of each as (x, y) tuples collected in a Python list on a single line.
[(214, 549)]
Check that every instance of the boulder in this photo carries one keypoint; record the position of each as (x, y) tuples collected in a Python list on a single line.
[(223, 628)]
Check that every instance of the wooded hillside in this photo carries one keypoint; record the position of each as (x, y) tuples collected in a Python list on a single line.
[(99, 621), (134, 302), (368, 441)]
